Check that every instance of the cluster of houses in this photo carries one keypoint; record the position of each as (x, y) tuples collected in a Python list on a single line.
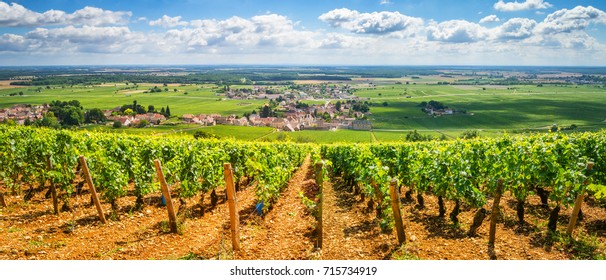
[(152, 118), (293, 119), (287, 123), (309, 91), (21, 112)]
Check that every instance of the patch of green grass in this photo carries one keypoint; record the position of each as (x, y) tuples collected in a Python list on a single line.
[(519, 107), (14, 229), (581, 247), (192, 256), (405, 252), (199, 98), (322, 136), (110, 252), (237, 132), (36, 243)]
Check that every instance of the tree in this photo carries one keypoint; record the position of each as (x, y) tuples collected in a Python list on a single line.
[(151, 109), (143, 123), (167, 111), (470, 134), (163, 112), (129, 112), (49, 120), (415, 136), (94, 115), (68, 113), (117, 124), (266, 111), (73, 116), (200, 134), (338, 106)]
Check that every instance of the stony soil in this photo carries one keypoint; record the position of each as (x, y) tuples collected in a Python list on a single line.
[(30, 230)]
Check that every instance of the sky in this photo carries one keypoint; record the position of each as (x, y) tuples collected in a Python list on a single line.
[(310, 32)]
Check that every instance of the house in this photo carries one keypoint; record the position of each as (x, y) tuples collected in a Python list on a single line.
[(152, 118), (243, 121), (188, 118), (124, 120)]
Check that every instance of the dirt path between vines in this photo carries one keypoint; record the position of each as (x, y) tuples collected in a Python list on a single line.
[(350, 231), (29, 230), (287, 231)]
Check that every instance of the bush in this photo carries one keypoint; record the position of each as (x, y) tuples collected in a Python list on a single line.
[(470, 134), (200, 134), (143, 123), (117, 124)]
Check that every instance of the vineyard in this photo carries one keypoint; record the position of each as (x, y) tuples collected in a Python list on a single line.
[(290, 194)]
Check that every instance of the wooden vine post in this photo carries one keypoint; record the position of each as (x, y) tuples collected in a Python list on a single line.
[(233, 206), (172, 218), (320, 183), (395, 206), (495, 212), (2, 201), (53, 190), (93, 191), (577, 206)]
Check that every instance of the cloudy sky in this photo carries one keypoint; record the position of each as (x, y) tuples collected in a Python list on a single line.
[(310, 32)]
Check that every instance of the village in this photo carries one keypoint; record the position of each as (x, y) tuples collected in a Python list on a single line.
[(293, 92), (284, 111), (314, 117)]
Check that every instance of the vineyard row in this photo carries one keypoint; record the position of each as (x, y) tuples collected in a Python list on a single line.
[(558, 167)]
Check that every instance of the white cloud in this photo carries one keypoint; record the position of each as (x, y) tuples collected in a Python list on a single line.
[(263, 31), (517, 6), (274, 38), (385, 2), (341, 41), (371, 23), (87, 39), (456, 31), (15, 15), (566, 20), (12, 43), (168, 22), (515, 29), (490, 18)]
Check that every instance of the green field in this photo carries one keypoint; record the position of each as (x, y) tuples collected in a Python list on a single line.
[(492, 110), (200, 99), (221, 131), (516, 108)]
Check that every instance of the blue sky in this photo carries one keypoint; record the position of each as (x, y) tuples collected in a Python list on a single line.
[(312, 32)]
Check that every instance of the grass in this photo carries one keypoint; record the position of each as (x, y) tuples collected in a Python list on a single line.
[(321, 136), (405, 252), (192, 256), (237, 132), (520, 107), (200, 99), (490, 109), (581, 247)]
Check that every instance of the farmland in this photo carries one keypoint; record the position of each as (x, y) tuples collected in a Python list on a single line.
[(481, 103)]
